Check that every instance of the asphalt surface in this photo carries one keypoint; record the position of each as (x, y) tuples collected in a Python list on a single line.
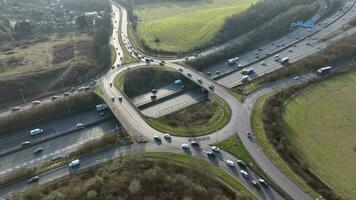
[(132, 119)]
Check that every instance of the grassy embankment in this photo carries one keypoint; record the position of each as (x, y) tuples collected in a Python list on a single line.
[(138, 177), (321, 119), (196, 120), (186, 25)]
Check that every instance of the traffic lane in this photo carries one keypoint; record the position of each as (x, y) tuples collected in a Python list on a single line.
[(51, 129), (53, 148), (174, 104), (161, 93)]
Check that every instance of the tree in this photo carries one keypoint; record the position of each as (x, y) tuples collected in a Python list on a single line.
[(23, 28), (82, 21)]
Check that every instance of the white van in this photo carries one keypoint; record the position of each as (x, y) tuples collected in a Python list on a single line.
[(36, 131), (74, 163)]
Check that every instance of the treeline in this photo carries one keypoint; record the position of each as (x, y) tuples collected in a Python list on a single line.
[(135, 178), (255, 16), (333, 6), (87, 5), (273, 29), (48, 111)]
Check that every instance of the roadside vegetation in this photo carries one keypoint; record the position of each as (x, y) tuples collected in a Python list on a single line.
[(196, 120), (48, 111), (137, 177), (292, 125), (45, 58), (263, 140), (138, 81), (321, 119)]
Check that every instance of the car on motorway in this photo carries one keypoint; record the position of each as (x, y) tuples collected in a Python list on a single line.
[(55, 158), (199, 80), (112, 98), (79, 125), (157, 138), (263, 63), (110, 84), (180, 69), (194, 143), (189, 74), (215, 149), (33, 179), (217, 72), (153, 97), (185, 146), (154, 91), (36, 131), (244, 173), (249, 135), (263, 182), (208, 73), (210, 154), (230, 163), (14, 109), (247, 71), (120, 98), (74, 163), (256, 184), (54, 98), (244, 78), (36, 102), (167, 136), (25, 143), (66, 94), (296, 77), (38, 151), (241, 163), (211, 87), (102, 113)]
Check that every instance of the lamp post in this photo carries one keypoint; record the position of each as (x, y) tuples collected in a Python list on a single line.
[(23, 97)]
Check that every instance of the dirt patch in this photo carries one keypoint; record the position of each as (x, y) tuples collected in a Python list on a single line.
[(63, 53), (197, 114)]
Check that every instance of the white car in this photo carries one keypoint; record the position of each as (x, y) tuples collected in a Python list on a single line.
[(36, 131), (157, 138), (216, 149), (244, 78), (185, 146), (210, 153), (79, 125), (74, 163), (230, 163), (263, 182), (167, 136), (296, 78), (244, 173)]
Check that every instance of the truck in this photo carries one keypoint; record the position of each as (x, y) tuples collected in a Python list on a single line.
[(285, 61), (323, 70), (101, 107)]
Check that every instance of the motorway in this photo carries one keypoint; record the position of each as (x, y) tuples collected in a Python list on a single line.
[(308, 42), (133, 120)]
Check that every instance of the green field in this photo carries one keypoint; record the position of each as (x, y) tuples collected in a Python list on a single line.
[(184, 26), (321, 128)]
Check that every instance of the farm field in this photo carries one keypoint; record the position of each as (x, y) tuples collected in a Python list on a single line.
[(320, 126), (184, 26)]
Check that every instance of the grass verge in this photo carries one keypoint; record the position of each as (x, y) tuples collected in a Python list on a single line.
[(221, 116), (267, 147)]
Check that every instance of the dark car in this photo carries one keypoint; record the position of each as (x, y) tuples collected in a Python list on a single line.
[(38, 151), (33, 179)]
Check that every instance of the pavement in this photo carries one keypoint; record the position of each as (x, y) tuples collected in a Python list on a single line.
[(133, 121)]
